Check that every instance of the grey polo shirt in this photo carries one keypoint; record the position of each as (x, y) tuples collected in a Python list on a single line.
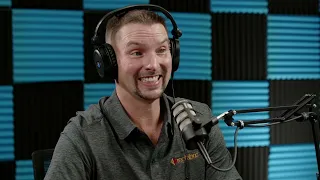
[(96, 145)]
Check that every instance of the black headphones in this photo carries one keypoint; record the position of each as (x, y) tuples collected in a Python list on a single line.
[(104, 56)]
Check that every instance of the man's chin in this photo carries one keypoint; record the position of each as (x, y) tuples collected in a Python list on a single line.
[(150, 96)]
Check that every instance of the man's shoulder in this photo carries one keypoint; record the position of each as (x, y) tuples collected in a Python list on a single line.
[(87, 118)]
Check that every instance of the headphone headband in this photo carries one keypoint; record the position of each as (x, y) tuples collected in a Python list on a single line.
[(102, 23)]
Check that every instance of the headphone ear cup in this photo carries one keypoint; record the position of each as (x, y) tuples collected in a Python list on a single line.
[(105, 61), (175, 53)]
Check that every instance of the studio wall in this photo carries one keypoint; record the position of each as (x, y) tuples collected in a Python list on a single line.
[(234, 55)]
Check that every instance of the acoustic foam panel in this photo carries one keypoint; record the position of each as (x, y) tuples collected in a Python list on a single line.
[(293, 47), (5, 46), (6, 124), (292, 161), (5, 3), (24, 170), (7, 170), (110, 4), (252, 163), (195, 45), (238, 46), (196, 90), (286, 93), (48, 4), (202, 6), (94, 92), (41, 111), (306, 7), (239, 95), (236, 6), (47, 45)]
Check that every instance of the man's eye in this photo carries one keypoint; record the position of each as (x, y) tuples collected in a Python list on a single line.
[(136, 53), (163, 50)]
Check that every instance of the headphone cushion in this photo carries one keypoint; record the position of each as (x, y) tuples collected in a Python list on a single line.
[(105, 61), (175, 53), (111, 59)]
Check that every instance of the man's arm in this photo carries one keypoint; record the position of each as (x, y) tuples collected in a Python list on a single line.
[(70, 160), (220, 156)]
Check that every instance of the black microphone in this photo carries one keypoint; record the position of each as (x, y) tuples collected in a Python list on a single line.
[(189, 124), (194, 131)]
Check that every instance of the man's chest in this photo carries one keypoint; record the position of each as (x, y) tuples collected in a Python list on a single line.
[(121, 160), (136, 166)]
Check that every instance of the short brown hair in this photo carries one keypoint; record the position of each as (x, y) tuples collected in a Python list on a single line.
[(134, 16)]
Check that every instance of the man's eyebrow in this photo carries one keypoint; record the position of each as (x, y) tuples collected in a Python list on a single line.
[(165, 40), (131, 43), (136, 43)]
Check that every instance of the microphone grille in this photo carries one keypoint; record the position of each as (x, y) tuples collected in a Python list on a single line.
[(181, 115)]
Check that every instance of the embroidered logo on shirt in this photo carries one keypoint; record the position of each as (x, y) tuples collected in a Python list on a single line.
[(191, 156)]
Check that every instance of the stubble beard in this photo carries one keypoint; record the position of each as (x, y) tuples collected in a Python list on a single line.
[(150, 97)]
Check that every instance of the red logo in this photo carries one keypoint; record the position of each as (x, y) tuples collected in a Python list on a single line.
[(188, 157)]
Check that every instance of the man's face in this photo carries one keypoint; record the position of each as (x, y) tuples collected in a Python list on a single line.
[(144, 60)]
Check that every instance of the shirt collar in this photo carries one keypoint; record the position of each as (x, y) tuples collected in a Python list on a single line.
[(121, 122)]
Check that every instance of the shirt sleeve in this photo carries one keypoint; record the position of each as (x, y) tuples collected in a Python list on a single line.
[(220, 157), (70, 160)]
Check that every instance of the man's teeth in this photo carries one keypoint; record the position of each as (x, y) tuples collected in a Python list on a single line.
[(150, 79)]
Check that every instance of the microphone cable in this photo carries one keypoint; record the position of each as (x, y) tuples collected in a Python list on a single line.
[(186, 168), (173, 95), (207, 156)]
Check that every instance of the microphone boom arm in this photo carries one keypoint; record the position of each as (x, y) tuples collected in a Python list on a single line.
[(305, 101)]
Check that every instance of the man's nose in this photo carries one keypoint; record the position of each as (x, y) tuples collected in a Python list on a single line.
[(152, 62)]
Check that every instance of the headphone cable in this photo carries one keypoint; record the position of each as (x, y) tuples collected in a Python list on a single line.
[(187, 173)]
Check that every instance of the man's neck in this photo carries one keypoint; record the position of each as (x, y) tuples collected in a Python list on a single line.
[(145, 115)]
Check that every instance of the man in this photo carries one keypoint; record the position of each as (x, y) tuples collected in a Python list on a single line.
[(132, 134)]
